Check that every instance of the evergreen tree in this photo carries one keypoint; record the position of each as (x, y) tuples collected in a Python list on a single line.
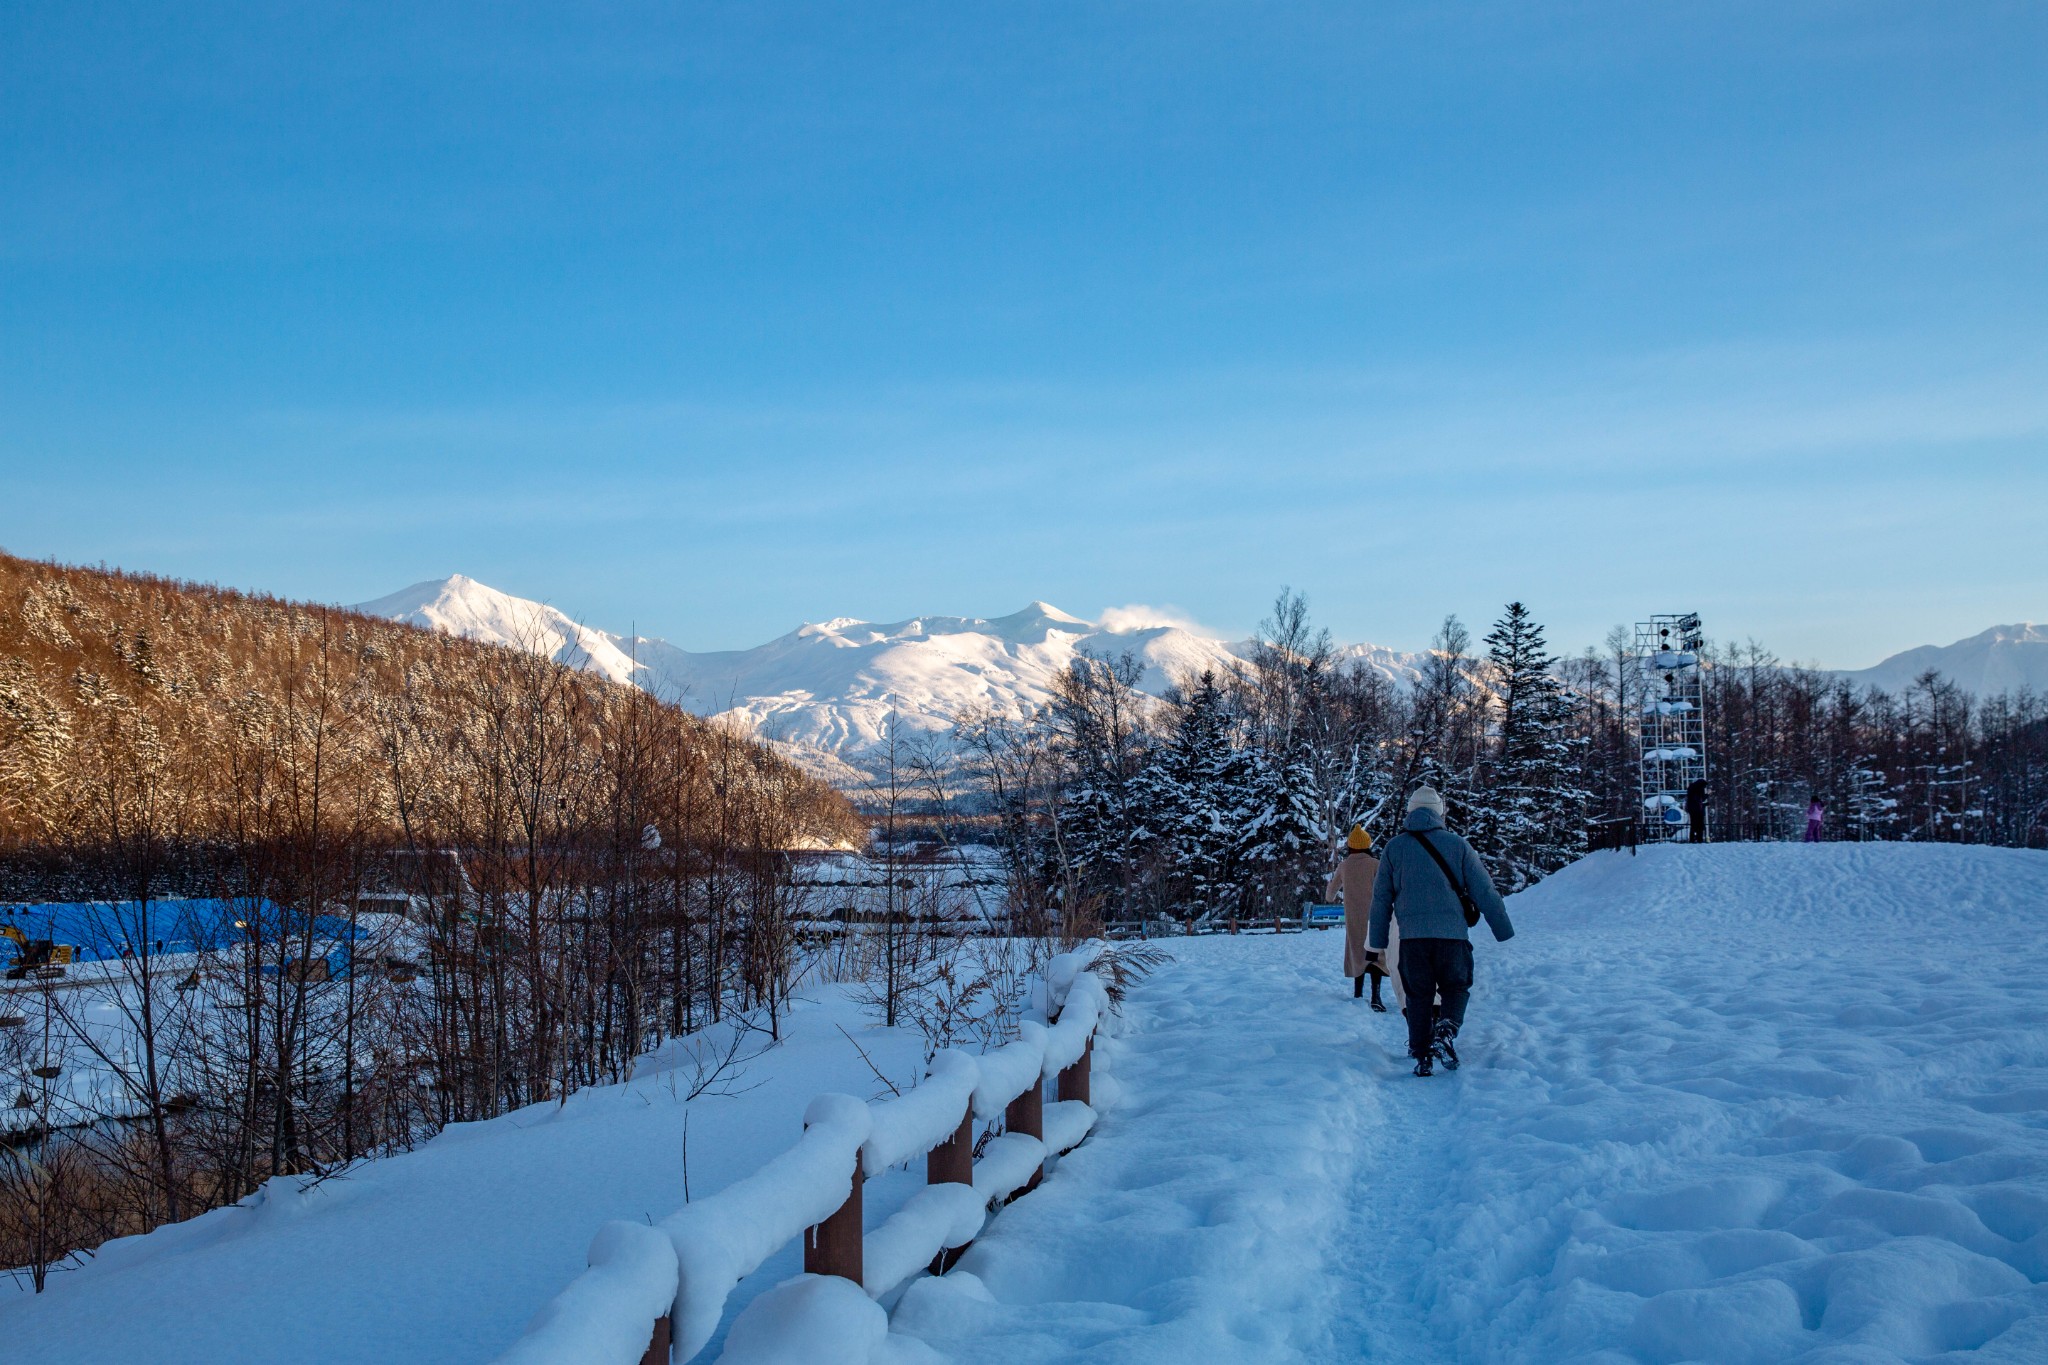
[(1180, 806), (1097, 717), (1217, 849), (1531, 821), (1283, 837)]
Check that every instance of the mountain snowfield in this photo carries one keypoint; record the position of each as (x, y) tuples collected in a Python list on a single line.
[(1742, 1103), (825, 692)]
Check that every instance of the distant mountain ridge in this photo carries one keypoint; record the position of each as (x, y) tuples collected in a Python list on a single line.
[(2001, 659), (824, 692), (458, 605)]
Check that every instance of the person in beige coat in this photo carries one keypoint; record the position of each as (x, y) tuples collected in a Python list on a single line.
[(1352, 880)]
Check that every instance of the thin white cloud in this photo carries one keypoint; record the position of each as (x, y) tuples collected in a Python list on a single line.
[(1139, 616)]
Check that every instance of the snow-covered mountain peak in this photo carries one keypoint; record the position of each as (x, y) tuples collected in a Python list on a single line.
[(829, 692), (1036, 622), (420, 596), (1047, 611), (459, 605)]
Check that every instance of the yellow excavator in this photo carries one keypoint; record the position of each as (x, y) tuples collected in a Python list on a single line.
[(40, 956)]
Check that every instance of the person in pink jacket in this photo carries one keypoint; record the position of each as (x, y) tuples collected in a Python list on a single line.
[(1816, 816), (1351, 880)]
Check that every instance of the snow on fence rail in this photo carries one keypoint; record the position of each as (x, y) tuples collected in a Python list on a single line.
[(655, 1295)]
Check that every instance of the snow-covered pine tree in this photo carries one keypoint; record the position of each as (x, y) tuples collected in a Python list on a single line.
[(1157, 795), (1274, 828), (1288, 834), (1094, 843), (1232, 798), (1177, 802), (1262, 796), (1532, 822), (1098, 720)]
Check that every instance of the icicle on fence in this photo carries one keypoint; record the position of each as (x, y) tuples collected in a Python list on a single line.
[(652, 1295)]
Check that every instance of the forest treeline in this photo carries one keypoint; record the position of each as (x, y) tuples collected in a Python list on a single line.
[(1221, 801), (583, 871)]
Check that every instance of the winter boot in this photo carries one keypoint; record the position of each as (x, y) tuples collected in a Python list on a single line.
[(1446, 1035), (1423, 1066), (1378, 1006), (1358, 988)]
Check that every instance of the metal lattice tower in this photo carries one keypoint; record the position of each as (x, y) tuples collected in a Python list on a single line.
[(1672, 735)]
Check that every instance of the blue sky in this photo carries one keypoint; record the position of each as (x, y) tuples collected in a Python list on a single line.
[(716, 318)]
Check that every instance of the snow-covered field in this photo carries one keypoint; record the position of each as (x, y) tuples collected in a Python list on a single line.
[(1733, 1103)]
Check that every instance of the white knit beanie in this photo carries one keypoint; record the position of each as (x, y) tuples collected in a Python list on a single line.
[(1425, 798)]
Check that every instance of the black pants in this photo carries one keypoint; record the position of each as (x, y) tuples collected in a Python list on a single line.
[(1432, 967), (1698, 820)]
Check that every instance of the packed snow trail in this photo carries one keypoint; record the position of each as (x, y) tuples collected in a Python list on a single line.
[(1730, 1103)]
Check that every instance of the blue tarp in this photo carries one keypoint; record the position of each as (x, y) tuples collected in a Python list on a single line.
[(100, 929)]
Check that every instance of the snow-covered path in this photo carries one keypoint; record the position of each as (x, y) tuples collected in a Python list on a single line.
[(1737, 1103)]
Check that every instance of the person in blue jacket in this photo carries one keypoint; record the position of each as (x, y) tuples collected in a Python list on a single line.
[(1422, 871)]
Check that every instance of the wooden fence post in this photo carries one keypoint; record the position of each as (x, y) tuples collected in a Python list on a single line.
[(1074, 1079), (1026, 1115), (657, 1349), (833, 1247), (951, 1163)]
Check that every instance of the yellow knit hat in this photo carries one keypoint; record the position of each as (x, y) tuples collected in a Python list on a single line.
[(1358, 841)]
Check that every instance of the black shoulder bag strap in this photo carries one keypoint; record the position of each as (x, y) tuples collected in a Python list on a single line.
[(1464, 896)]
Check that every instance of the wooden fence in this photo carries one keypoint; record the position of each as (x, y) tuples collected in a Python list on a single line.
[(655, 1295)]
